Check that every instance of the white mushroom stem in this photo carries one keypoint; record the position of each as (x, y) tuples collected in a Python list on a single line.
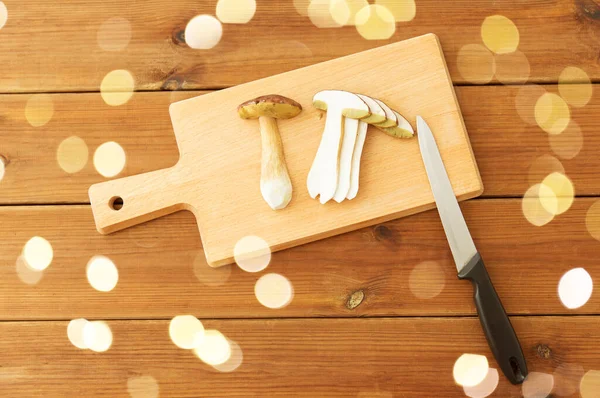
[(348, 145), (275, 183), (323, 174), (355, 169)]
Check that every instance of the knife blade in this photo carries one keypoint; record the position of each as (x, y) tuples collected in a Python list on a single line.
[(498, 330)]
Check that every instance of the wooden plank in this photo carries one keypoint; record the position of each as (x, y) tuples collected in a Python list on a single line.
[(57, 49), (142, 127), (504, 145), (411, 357), (376, 271), (218, 176)]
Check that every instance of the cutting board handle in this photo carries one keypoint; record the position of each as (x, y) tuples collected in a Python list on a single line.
[(129, 201)]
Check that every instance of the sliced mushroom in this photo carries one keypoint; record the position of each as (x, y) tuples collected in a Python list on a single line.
[(343, 141), (352, 134), (275, 183), (400, 129), (390, 116), (378, 114), (356, 156), (351, 127), (323, 175)]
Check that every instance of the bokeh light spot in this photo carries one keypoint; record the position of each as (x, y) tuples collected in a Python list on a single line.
[(39, 110), (27, 274), (114, 34), (403, 10), (512, 67), (470, 370), (97, 336), (542, 166), (552, 113), (72, 154), (302, 7), (319, 12), (567, 144), (537, 385), (235, 359), (236, 11), (38, 253), (575, 288), (499, 34), (214, 349), (486, 387), (203, 32), (592, 220), (117, 87), (186, 331), (574, 86), (532, 207), (375, 22), (563, 191), (75, 332), (344, 11), (274, 291), (3, 15), (109, 159), (476, 64), (252, 253), (208, 275), (427, 280), (567, 377), (102, 273), (340, 12), (589, 387), (525, 100), (142, 387), (548, 199)]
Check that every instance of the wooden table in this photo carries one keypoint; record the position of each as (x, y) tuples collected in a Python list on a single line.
[(360, 323)]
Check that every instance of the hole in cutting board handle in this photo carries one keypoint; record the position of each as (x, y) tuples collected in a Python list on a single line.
[(116, 203)]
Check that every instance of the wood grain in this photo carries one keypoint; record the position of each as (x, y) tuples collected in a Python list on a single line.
[(217, 176), (411, 357), (30, 154), (370, 272), (553, 35), (504, 145)]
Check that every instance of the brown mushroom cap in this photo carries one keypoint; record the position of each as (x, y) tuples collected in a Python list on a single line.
[(273, 105)]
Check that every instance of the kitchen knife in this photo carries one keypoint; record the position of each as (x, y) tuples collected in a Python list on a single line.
[(498, 330)]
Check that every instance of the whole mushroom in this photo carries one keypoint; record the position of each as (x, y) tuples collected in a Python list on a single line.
[(275, 183)]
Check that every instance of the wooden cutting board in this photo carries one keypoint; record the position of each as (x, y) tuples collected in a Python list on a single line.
[(217, 176)]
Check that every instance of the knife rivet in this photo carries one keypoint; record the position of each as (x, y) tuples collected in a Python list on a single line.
[(355, 299), (543, 351)]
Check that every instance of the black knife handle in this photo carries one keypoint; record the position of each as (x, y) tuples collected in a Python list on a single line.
[(498, 330)]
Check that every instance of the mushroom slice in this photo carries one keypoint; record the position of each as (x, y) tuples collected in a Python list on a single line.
[(402, 130), (378, 114), (352, 132), (351, 127), (356, 155), (323, 175), (390, 116)]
